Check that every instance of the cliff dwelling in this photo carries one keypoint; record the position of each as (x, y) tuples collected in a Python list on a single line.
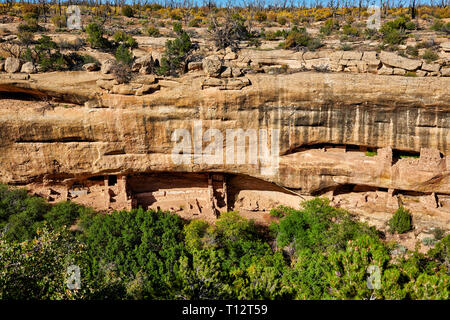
[(206, 195)]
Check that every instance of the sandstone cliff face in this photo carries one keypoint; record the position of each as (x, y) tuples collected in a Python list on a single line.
[(118, 134)]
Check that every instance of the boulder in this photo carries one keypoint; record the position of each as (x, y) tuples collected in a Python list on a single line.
[(273, 69), (445, 46), (28, 67), (335, 55), (145, 79), (125, 88), (352, 55), (432, 67), (144, 64), (226, 84), (385, 70), (91, 67), (236, 72), (315, 63), (393, 60), (271, 57), (107, 66), (105, 84), (147, 89), (195, 66), (445, 72), (421, 73), (231, 56), (399, 72), (372, 61), (148, 69), (212, 66), (12, 65), (226, 73)]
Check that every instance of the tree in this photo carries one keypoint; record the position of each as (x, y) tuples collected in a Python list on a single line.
[(401, 221), (175, 54), (95, 36), (229, 33), (37, 268)]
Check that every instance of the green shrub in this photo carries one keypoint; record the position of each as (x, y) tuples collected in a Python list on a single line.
[(313, 227), (428, 241), (282, 20), (121, 37), (59, 21), (152, 32), (25, 37), (30, 26), (175, 16), (28, 55), (401, 221), (95, 36), (127, 11), (349, 30), (410, 74), (393, 31), (438, 233), (438, 25), (64, 214), (397, 24), (89, 59), (298, 38), (346, 47), (127, 243), (429, 55), (123, 54), (261, 16), (371, 153), (194, 23), (412, 51), (370, 33), (48, 55), (329, 26), (393, 37), (175, 53), (410, 25), (177, 27)]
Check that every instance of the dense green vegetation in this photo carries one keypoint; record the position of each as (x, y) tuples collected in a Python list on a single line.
[(318, 252)]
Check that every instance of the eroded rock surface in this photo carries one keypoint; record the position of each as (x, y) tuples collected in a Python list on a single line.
[(319, 125)]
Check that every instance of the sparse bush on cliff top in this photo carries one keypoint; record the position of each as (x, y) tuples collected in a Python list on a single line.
[(438, 25), (329, 26), (121, 72), (30, 24), (152, 32), (123, 54), (48, 55), (349, 30), (121, 37), (429, 55), (175, 54), (95, 36), (298, 38), (229, 33)]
